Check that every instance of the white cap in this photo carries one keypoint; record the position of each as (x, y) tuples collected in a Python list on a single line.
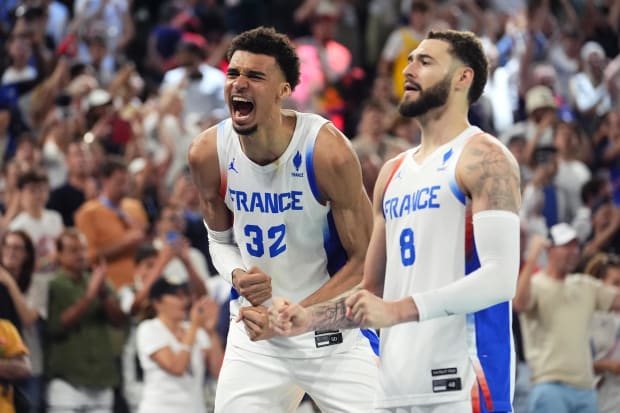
[(98, 97), (562, 234), (589, 48), (136, 165)]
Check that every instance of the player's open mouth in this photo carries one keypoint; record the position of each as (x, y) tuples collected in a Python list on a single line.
[(241, 107)]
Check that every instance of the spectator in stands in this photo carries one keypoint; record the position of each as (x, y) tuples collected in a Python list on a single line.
[(556, 307), (544, 204), (17, 258), (14, 364), (67, 198), (134, 304), (572, 172), (588, 88), (605, 229), (202, 84), (401, 42), (185, 263), (606, 336), (174, 354), (81, 368), (185, 193), (42, 226), (113, 224), (537, 128)]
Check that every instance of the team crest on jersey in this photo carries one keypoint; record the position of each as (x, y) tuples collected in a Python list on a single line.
[(297, 164), (446, 157)]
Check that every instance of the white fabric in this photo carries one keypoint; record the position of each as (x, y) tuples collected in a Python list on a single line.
[(341, 383), (606, 345), (281, 228), (586, 96), (13, 75), (201, 98), (224, 252), (43, 233), (497, 241), (425, 222), (55, 164), (162, 391), (62, 397)]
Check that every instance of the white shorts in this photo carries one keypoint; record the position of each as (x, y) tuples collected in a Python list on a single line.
[(251, 382)]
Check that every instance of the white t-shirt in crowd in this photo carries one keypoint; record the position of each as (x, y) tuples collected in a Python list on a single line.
[(162, 391)]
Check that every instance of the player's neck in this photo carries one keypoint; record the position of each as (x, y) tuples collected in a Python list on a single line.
[(441, 125), (270, 141)]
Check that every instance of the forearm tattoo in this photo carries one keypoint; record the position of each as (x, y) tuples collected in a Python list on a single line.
[(331, 315)]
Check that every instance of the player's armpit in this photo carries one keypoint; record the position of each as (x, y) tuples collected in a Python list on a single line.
[(489, 174)]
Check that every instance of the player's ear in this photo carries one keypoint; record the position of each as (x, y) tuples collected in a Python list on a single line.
[(285, 90), (464, 77)]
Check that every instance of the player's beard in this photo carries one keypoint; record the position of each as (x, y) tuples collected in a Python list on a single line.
[(431, 98), (246, 131)]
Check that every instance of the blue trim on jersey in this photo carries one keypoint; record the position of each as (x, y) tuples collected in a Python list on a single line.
[(335, 252), (493, 345), (310, 170), (233, 294), (456, 191), (373, 339)]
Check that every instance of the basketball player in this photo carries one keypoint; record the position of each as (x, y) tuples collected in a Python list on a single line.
[(286, 212), (446, 342)]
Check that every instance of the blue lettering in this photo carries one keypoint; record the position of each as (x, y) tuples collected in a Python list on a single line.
[(271, 202), (432, 202), (419, 199), (242, 199), (266, 202), (296, 204), (406, 205), (257, 202), (281, 201), (422, 203), (393, 212)]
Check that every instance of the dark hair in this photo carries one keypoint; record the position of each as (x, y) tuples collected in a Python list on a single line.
[(66, 233), (143, 252), (420, 6), (592, 188), (32, 176), (25, 274), (466, 47), (265, 40), (543, 154), (112, 164), (599, 264), (162, 287)]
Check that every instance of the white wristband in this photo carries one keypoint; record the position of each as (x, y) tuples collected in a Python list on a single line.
[(224, 252)]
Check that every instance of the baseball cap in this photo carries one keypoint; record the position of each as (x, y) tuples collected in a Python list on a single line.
[(162, 286), (561, 234), (539, 97), (98, 97), (591, 48)]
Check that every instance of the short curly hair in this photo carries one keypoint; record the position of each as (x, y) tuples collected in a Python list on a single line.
[(267, 41), (466, 47)]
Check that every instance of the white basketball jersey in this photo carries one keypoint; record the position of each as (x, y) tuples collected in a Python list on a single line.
[(282, 227), (450, 358)]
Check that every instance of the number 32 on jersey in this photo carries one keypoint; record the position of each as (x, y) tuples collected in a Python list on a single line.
[(272, 239)]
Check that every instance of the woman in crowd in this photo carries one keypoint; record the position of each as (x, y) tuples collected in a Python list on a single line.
[(173, 353)]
